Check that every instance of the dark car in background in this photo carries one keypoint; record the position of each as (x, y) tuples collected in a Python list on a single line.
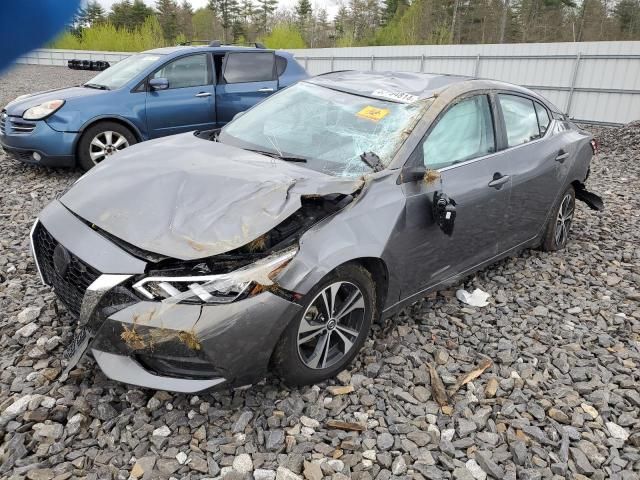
[(149, 95), (200, 260)]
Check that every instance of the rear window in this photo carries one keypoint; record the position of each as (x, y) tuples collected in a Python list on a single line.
[(281, 65), (520, 119), (249, 67)]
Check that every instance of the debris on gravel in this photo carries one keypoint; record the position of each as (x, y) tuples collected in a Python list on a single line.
[(557, 397)]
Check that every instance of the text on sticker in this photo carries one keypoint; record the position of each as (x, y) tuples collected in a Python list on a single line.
[(373, 113), (398, 96)]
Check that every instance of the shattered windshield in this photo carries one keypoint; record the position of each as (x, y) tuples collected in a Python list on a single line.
[(326, 129), (124, 71)]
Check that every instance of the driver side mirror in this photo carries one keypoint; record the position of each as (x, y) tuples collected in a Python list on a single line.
[(158, 84)]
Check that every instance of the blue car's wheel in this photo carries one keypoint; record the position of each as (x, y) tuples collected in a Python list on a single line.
[(101, 141)]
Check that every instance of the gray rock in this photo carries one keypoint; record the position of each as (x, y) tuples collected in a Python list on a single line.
[(399, 466), (385, 441), (483, 458), (263, 474), (519, 452), (274, 440), (242, 421), (243, 463), (581, 461)]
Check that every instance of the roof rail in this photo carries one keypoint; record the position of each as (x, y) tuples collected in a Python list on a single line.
[(218, 43), (191, 42)]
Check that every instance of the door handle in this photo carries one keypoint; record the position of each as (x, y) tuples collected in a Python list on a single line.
[(203, 94), (498, 180), (562, 156), (265, 90)]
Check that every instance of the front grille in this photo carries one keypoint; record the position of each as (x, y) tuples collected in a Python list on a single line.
[(15, 125), (19, 127), (71, 286)]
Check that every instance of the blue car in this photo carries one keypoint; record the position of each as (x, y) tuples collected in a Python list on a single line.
[(152, 94)]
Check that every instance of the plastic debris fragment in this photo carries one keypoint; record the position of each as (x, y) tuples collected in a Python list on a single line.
[(477, 298)]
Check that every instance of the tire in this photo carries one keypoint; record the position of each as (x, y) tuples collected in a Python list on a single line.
[(107, 134), (304, 365), (558, 226)]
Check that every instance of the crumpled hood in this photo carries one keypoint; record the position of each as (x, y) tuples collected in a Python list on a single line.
[(189, 198), (18, 107)]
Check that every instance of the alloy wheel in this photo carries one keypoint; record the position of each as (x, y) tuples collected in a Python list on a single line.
[(331, 325), (564, 219), (106, 143)]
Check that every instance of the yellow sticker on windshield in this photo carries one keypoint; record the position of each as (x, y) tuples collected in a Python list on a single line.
[(373, 113)]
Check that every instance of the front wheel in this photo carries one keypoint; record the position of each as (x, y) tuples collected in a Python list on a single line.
[(334, 324), (102, 140), (559, 225)]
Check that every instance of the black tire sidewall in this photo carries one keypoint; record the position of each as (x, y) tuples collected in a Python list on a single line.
[(549, 241), (84, 159), (286, 359)]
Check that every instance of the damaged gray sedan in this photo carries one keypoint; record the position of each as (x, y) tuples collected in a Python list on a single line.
[(207, 259)]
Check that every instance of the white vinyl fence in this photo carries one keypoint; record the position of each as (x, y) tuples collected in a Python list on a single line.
[(594, 82)]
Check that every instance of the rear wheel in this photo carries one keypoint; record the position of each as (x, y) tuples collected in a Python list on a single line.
[(102, 140), (559, 225), (332, 327)]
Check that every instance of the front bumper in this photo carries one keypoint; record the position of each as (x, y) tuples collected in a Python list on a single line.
[(54, 149), (179, 347)]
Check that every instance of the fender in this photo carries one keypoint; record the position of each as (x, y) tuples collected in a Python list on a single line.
[(136, 131)]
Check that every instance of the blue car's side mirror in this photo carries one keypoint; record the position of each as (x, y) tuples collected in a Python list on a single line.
[(159, 83)]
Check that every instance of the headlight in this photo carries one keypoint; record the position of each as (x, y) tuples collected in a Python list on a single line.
[(224, 288), (43, 110)]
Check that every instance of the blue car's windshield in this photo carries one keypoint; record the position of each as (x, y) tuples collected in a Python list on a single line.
[(329, 129), (124, 71)]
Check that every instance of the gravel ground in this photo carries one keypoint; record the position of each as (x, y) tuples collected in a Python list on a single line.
[(559, 400)]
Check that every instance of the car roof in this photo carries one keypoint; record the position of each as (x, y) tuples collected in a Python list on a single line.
[(407, 87), (403, 87), (196, 48)]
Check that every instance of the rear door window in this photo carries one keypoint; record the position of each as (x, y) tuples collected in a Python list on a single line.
[(245, 67), (520, 119), (464, 132), (191, 71), (543, 118)]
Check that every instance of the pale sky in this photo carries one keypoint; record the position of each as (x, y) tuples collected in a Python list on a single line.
[(331, 6)]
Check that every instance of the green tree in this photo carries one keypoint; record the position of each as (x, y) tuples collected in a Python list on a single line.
[(185, 20), (121, 14), (93, 13), (139, 13), (167, 12), (226, 11), (264, 11), (303, 11), (627, 14), (284, 36)]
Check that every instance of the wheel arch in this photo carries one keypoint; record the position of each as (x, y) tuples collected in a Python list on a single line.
[(106, 118), (380, 274)]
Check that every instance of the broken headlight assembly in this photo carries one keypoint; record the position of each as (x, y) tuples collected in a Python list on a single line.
[(222, 288)]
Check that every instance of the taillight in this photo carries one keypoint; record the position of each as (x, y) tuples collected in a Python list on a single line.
[(594, 146)]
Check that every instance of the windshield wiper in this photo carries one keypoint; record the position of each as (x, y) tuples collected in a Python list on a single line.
[(286, 158), (96, 86), (372, 160)]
